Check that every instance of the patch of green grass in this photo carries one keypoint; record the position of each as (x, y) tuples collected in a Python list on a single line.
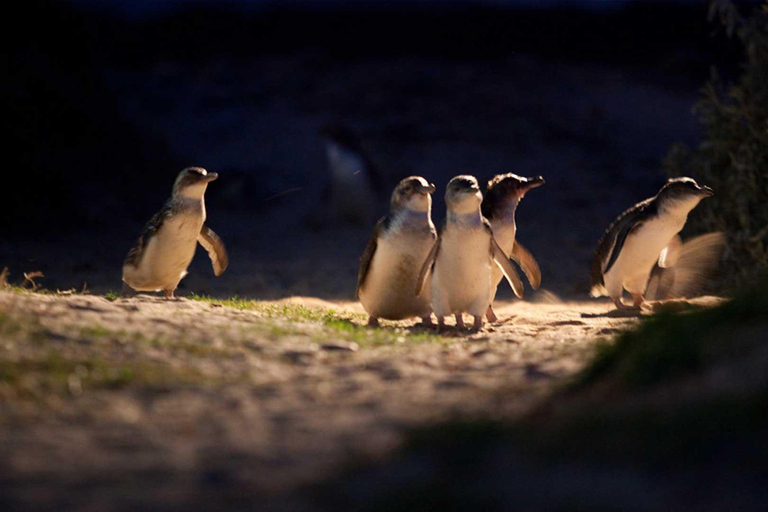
[(346, 326), (54, 373), (292, 312), (111, 296), (377, 336)]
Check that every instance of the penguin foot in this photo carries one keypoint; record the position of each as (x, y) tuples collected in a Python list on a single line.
[(623, 307), (639, 301), (168, 294), (426, 321), (373, 321), (441, 322), (491, 315), (459, 321), (478, 323)]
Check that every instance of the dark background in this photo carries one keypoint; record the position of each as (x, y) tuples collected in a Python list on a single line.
[(105, 102)]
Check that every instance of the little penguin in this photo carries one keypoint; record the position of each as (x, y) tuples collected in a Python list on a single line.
[(461, 261), (502, 196), (160, 257), (640, 237), (354, 190), (392, 259)]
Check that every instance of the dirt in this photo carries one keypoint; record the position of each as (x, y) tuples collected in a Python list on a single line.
[(145, 397)]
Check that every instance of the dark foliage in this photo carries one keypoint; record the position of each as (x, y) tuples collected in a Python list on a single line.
[(733, 157)]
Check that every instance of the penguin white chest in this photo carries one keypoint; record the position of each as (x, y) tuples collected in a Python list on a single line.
[(640, 252), (167, 254), (389, 288), (462, 272)]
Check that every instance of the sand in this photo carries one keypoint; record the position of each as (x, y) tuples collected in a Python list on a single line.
[(142, 396)]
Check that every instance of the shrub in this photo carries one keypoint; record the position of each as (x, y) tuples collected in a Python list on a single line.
[(733, 157)]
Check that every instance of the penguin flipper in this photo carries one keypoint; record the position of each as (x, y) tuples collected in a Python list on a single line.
[(153, 226), (528, 263), (661, 284), (215, 248), (426, 268), (671, 253), (501, 259), (690, 276), (370, 250)]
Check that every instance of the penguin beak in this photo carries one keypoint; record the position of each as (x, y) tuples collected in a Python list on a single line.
[(707, 192), (534, 182), (211, 176), (528, 185), (430, 189)]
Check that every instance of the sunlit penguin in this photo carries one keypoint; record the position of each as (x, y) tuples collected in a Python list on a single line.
[(641, 236), (502, 196), (389, 267), (354, 189), (160, 257), (460, 263)]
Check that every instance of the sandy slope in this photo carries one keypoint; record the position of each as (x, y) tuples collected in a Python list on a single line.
[(146, 396)]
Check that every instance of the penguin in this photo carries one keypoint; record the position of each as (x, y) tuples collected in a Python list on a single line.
[(355, 188), (502, 196), (160, 257), (461, 261), (390, 264), (640, 237)]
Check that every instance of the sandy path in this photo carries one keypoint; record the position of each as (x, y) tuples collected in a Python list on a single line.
[(143, 396)]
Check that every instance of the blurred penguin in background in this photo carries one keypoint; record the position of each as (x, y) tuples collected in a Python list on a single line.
[(354, 189)]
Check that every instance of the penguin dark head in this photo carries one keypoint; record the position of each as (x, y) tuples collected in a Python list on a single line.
[(413, 193), (683, 191), (192, 182), (504, 192), (511, 186), (462, 194)]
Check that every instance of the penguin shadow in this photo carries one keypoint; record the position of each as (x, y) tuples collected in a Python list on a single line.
[(504, 321), (450, 331), (455, 331), (617, 313), (129, 293), (422, 328), (651, 308)]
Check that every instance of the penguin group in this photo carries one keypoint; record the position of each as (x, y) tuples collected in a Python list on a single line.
[(410, 269), (465, 262)]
